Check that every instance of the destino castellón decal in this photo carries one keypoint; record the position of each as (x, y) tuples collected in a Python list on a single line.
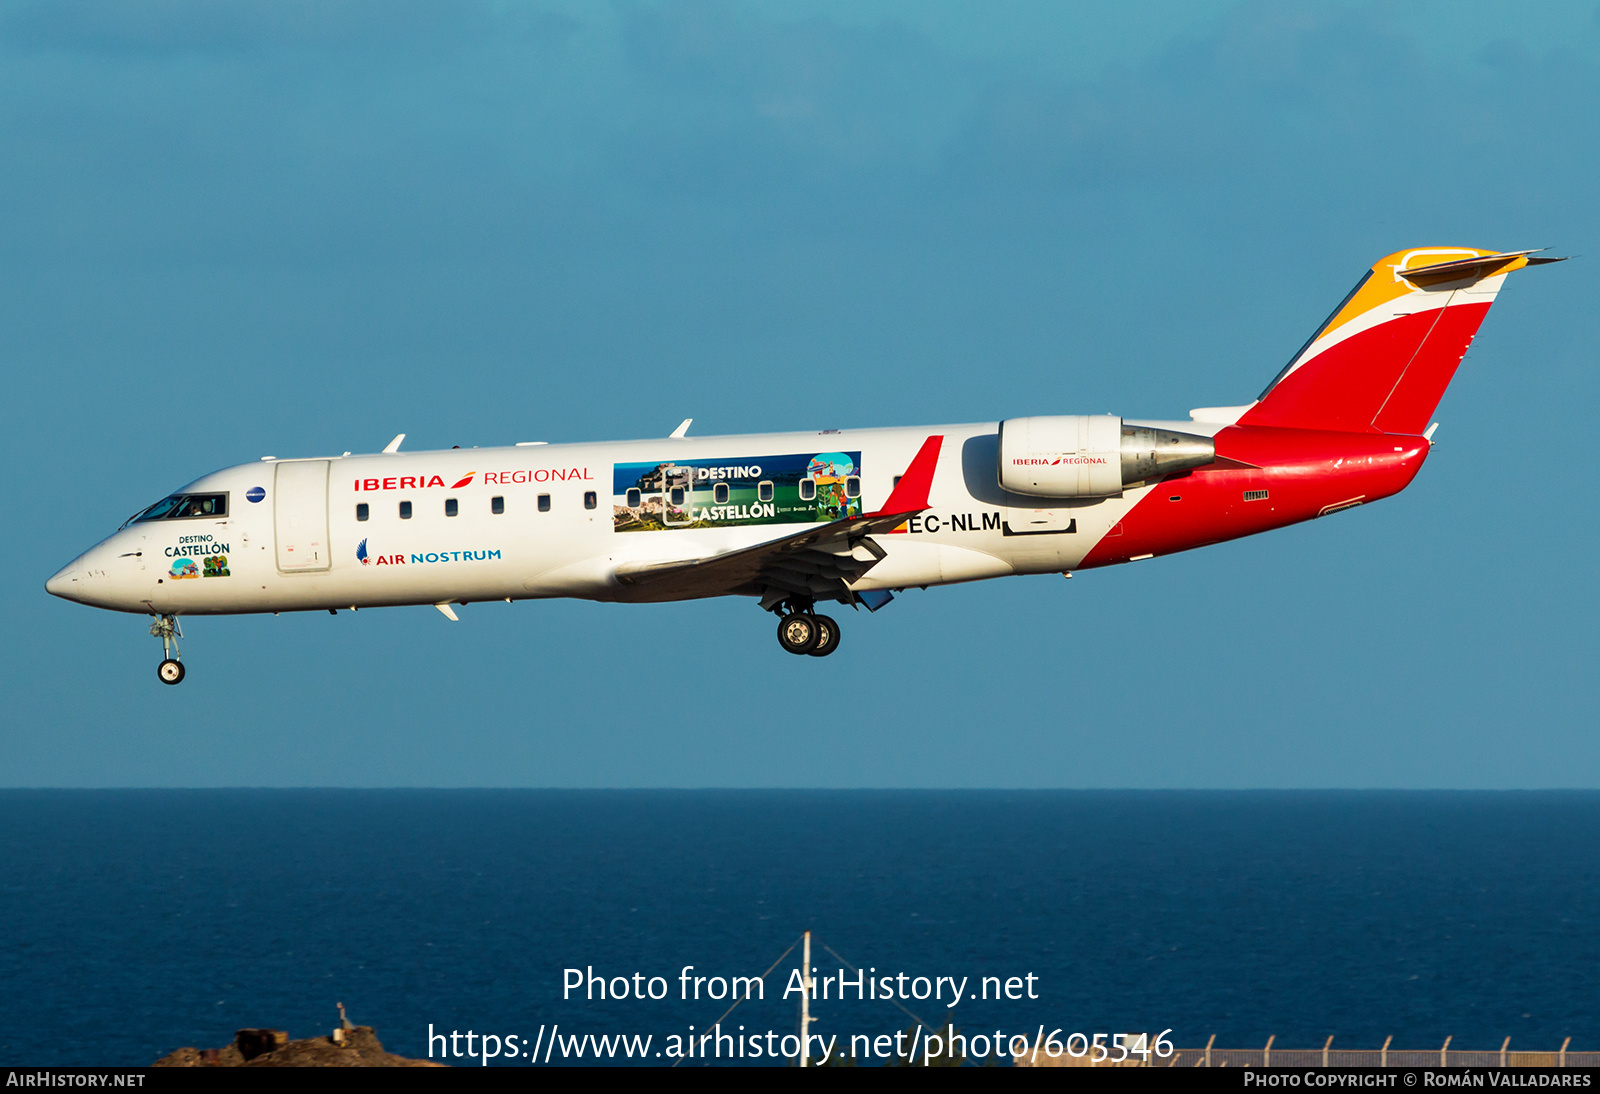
[(799, 488)]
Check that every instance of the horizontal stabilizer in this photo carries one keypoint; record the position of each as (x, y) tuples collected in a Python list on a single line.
[(1475, 268)]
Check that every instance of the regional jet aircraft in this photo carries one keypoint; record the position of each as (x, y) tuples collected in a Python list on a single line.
[(792, 520)]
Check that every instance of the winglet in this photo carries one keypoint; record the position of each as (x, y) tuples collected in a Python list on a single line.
[(682, 431), (394, 445), (910, 494)]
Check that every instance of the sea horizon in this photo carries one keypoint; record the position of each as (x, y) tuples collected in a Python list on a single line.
[(143, 920)]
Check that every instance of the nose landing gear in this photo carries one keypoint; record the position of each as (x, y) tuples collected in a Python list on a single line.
[(166, 628), (801, 631)]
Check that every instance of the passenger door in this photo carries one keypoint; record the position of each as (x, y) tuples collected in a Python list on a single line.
[(300, 516)]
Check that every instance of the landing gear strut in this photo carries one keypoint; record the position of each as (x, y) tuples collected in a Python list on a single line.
[(802, 631), (166, 628)]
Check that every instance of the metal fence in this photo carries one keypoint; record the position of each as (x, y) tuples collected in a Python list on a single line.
[(1328, 1056)]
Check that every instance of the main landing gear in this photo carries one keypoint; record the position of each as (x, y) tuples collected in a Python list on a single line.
[(802, 631), (166, 628)]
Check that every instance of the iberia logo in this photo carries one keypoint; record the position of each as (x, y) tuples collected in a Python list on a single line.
[(417, 482), (1058, 461), (361, 553)]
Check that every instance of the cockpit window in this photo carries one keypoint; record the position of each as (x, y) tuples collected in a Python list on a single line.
[(184, 506), (203, 505), (158, 510)]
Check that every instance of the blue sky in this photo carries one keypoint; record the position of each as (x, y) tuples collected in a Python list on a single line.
[(235, 229)]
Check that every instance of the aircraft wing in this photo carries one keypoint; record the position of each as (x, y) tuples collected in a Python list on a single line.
[(818, 562)]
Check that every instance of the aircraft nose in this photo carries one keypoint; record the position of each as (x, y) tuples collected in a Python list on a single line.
[(64, 584)]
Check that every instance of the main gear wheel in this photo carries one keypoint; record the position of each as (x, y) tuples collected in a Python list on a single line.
[(798, 632)]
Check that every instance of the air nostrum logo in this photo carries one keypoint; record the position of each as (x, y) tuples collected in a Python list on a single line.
[(425, 558)]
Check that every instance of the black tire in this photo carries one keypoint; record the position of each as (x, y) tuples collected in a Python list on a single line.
[(798, 632), (170, 671), (828, 638)]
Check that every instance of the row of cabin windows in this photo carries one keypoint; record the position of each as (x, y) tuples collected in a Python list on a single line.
[(720, 492), (497, 506)]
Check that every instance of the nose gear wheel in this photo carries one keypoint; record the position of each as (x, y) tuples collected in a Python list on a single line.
[(166, 628)]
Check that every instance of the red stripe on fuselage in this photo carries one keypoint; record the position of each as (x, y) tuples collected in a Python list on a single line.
[(1303, 471)]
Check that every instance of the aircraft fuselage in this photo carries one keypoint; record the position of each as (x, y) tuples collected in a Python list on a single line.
[(329, 532)]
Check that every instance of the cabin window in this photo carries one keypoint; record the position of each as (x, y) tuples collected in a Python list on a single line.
[(405, 510), (719, 493), (497, 506), (544, 503), (808, 489), (362, 511), (852, 486), (897, 480), (676, 494), (450, 507), (763, 491), (590, 499), (634, 498)]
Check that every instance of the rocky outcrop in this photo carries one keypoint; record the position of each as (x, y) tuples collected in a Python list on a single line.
[(357, 1046)]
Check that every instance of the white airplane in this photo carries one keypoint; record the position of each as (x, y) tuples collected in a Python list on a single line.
[(794, 519)]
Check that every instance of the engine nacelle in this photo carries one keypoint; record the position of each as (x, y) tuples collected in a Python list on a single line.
[(1091, 455)]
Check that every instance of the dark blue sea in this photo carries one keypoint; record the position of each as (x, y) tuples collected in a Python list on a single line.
[(135, 922)]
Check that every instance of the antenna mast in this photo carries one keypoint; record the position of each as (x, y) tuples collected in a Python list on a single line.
[(805, 1001)]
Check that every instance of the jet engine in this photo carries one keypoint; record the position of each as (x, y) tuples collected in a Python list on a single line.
[(1091, 455)]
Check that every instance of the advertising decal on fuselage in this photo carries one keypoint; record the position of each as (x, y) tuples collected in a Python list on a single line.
[(213, 553), (730, 492)]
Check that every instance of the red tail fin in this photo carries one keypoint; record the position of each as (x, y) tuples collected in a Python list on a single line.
[(1382, 361)]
